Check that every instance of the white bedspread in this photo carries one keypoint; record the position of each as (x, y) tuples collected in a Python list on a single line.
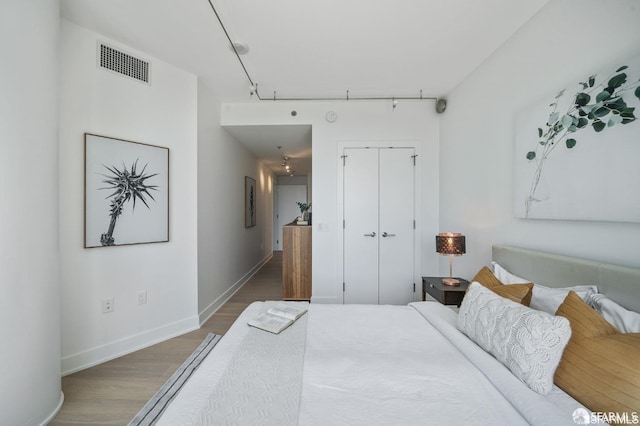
[(365, 366), (384, 365)]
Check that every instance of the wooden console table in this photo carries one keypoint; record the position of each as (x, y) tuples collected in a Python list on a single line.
[(296, 262)]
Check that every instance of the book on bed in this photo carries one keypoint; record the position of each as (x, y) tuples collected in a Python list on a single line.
[(277, 318)]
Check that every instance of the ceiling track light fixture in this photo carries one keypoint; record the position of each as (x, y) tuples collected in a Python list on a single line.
[(288, 168), (237, 49)]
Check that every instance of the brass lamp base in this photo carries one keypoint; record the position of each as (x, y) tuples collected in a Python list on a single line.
[(450, 281)]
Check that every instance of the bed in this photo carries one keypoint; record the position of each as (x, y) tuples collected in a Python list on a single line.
[(367, 365)]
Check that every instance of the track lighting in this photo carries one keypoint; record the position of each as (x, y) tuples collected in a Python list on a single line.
[(285, 163), (240, 48)]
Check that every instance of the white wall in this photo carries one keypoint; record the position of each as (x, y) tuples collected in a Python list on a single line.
[(565, 42), (164, 114), (361, 123), (228, 253), (29, 293)]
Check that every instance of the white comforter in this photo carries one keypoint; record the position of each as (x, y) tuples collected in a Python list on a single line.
[(380, 365)]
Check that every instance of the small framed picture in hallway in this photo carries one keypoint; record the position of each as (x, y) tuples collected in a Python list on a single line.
[(249, 202)]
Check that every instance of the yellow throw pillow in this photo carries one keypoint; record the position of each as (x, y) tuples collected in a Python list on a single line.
[(600, 366), (519, 293)]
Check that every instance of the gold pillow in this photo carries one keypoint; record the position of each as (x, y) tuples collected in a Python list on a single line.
[(600, 366), (519, 293)]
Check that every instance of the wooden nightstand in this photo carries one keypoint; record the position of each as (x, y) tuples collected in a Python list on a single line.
[(445, 294)]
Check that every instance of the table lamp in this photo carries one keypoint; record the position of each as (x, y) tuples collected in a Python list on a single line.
[(450, 244)]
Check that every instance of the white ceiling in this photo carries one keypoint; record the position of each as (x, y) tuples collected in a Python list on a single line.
[(294, 142), (313, 49)]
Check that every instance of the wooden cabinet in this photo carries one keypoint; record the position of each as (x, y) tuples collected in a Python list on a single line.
[(296, 262)]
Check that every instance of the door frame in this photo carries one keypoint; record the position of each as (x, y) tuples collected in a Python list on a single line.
[(417, 188)]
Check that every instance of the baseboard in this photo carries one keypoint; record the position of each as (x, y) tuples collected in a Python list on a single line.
[(127, 345), (55, 411), (109, 351), (216, 304)]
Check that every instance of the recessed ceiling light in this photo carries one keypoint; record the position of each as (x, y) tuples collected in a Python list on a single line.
[(241, 48)]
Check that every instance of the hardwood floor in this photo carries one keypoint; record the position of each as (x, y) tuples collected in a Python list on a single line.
[(112, 393)]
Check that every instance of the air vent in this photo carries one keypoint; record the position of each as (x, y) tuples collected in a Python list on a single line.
[(117, 61)]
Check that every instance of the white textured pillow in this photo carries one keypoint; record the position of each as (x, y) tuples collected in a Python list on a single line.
[(528, 342), (624, 320), (546, 299)]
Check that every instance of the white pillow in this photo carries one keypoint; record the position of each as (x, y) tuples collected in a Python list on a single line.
[(505, 276), (528, 342), (624, 320), (543, 298), (548, 299)]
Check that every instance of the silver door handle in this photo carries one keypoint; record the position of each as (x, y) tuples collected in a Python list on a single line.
[(373, 234), (384, 234)]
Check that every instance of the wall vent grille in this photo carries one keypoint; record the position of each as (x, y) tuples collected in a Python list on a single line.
[(117, 61)]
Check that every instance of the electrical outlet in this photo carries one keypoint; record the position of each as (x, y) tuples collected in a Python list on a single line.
[(107, 306), (142, 297)]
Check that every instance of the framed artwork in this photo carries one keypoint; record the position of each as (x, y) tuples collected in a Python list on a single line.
[(576, 152), (126, 192), (249, 202)]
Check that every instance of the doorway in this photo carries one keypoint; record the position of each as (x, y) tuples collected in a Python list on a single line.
[(286, 211)]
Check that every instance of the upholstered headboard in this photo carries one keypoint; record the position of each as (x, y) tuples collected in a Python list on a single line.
[(620, 283)]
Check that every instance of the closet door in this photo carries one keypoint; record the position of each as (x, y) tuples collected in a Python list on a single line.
[(396, 200), (361, 233), (378, 234)]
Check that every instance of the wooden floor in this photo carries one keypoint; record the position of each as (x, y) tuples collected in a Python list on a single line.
[(113, 392)]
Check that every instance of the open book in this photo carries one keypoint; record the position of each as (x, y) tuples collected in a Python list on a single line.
[(277, 318)]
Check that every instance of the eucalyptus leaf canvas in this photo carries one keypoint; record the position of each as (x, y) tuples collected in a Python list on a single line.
[(577, 152)]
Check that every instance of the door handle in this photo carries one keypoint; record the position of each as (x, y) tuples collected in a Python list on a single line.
[(385, 235), (373, 234)]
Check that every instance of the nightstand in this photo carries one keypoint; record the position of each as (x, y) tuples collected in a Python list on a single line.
[(445, 294)]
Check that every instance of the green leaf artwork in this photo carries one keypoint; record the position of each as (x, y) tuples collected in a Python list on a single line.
[(598, 105)]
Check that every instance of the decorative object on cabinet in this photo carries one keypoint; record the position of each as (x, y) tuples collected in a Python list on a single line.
[(296, 262), (249, 202), (126, 188), (303, 219), (573, 151), (450, 244)]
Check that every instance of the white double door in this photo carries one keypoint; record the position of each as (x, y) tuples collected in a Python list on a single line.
[(379, 225)]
